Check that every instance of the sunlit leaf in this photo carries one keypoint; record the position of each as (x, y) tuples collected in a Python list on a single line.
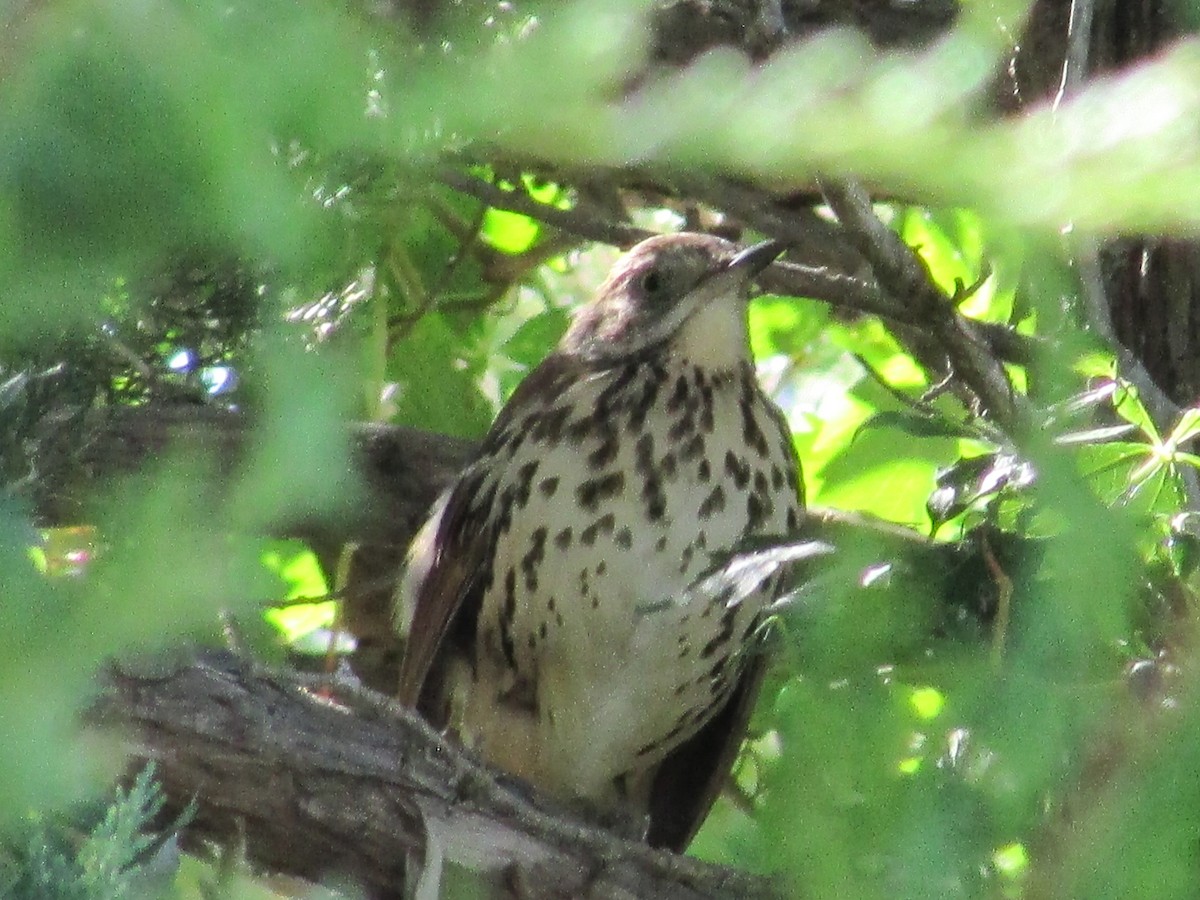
[(1186, 428), (510, 232)]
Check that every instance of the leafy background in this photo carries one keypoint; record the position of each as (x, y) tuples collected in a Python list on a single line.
[(242, 204)]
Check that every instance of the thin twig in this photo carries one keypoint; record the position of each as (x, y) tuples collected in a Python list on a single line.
[(757, 208), (582, 223), (901, 273)]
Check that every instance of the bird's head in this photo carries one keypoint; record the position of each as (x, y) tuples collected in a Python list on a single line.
[(679, 294)]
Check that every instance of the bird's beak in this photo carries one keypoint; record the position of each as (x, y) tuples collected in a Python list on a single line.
[(754, 259)]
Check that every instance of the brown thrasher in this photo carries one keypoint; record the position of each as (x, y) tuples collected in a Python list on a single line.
[(549, 605)]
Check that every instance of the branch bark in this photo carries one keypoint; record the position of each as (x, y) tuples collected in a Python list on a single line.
[(402, 469), (322, 779)]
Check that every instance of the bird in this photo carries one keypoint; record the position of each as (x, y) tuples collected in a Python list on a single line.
[(549, 605)]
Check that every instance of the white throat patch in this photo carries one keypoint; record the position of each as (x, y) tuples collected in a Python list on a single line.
[(715, 335)]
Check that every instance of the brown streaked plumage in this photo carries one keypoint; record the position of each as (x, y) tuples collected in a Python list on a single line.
[(546, 605)]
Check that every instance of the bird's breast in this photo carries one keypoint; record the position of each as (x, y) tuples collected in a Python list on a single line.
[(607, 502)]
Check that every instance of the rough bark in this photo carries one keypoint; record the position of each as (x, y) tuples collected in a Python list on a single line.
[(332, 783)]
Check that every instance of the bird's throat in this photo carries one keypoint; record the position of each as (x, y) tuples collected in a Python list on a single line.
[(714, 336)]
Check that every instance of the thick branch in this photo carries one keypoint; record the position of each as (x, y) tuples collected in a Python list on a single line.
[(402, 469), (341, 782)]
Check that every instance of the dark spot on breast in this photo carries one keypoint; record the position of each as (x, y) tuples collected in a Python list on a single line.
[(550, 425), (749, 402), (645, 401), (507, 614), (722, 637), (607, 449), (704, 471), (562, 540), (684, 426), (679, 395), (513, 444), (548, 486), (594, 491), (667, 465), (714, 502), (737, 468), (652, 494), (643, 453), (579, 430), (533, 558), (604, 525), (693, 448), (776, 477), (793, 520), (751, 433), (758, 508), (504, 510), (524, 481), (623, 539)]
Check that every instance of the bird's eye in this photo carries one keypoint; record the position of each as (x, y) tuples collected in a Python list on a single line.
[(651, 282)]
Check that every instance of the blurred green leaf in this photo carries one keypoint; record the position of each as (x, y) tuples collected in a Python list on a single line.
[(296, 465), (298, 567), (510, 232), (534, 340), (437, 386)]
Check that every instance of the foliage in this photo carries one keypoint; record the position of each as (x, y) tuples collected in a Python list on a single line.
[(189, 211), (100, 851)]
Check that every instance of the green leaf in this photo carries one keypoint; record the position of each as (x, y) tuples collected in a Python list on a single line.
[(534, 340), (510, 232), (1186, 428), (437, 387)]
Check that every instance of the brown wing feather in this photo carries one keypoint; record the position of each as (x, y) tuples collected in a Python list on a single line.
[(689, 780), (449, 555), (442, 566)]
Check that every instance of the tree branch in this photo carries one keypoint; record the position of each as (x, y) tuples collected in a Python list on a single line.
[(402, 469), (844, 280), (323, 779), (902, 275)]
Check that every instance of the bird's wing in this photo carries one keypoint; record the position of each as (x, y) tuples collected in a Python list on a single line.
[(441, 592), (441, 574), (689, 780)]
